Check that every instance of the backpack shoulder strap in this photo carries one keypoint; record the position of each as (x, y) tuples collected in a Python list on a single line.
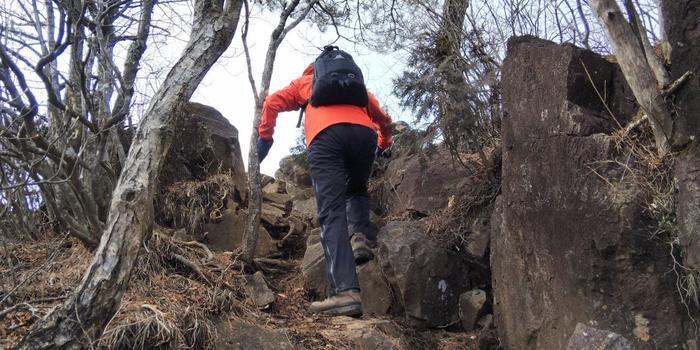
[(301, 113)]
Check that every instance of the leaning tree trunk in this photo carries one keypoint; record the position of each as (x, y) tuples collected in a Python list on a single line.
[(682, 27), (668, 131), (83, 317)]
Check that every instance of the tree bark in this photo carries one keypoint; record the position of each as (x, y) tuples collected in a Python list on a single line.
[(640, 75), (250, 238), (82, 318)]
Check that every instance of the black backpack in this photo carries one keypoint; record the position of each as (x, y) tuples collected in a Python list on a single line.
[(337, 81)]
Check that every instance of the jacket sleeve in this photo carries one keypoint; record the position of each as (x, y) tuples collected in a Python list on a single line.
[(285, 100), (381, 120)]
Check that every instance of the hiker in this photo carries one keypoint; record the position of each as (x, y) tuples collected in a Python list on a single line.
[(342, 120)]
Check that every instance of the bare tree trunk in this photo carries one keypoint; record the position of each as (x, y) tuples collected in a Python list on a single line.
[(83, 317), (255, 192), (640, 75)]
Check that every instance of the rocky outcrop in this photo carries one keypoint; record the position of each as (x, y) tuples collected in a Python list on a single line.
[(206, 144), (683, 30), (421, 184), (426, 279), (411, 276), (226, 233), (565, 250)]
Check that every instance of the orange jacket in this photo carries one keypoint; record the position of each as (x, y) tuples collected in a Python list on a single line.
[(298, 93)]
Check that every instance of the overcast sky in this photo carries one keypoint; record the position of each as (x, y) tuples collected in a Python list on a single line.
[(227, 89)]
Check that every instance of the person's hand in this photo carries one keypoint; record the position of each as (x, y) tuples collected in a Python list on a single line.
[(263, 148)]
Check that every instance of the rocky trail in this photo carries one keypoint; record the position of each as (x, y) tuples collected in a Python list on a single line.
[(546, 241)]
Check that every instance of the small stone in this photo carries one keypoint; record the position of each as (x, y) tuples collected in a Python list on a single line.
[(273, 215), (279, 198), (470, 305), (589, 338), (273, 187), (257, 288)]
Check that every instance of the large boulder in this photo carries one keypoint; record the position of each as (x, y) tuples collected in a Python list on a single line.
[(421, 184), (206, 144), (565, 248), (377, 297), (226, 233), (426, 278)]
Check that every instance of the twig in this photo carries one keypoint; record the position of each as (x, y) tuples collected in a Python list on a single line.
[(274, 262), (635, 124), (292, 230), (210, 255), (189, 263), (18, 307), (674, 86)]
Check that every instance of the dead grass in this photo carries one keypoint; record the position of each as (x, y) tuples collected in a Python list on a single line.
[(168, 304), (452, 225), (189, 204)]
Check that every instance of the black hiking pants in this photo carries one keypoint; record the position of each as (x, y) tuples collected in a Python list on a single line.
[(340, 160)]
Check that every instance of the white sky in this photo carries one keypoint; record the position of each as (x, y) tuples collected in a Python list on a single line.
[(227, 88)]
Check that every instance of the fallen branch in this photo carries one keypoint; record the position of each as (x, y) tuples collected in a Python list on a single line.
[(193, 266), (19, 307), (210, 255)]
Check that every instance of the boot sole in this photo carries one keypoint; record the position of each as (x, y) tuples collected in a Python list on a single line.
[(354, 310), (362, 256)]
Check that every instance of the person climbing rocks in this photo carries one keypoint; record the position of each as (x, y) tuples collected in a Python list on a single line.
[(345, 129)]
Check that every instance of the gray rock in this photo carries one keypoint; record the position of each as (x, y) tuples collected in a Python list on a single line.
[(372, 339), (227, 233), (470, 305), (313, 237), (292, 171), (478, 240), (589, 338), (238, 335), (273, 187), (306, 209), (279, 198), (298, 193), (374, 289), (368, 333), (427, 279), (566, 246), (485, 322), (313, 269), (257, 288)]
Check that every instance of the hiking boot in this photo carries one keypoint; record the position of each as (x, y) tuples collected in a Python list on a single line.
[(360, 249), (347, 303)]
